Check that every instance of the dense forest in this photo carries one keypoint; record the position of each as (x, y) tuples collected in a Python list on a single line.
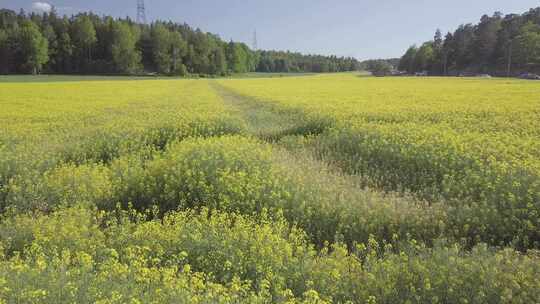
[(89, 44), (500, 45)]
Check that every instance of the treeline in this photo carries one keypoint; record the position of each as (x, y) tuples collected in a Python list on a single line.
[(500, 45), (372, 64), (89, 44), (275, 61), (380, 66)]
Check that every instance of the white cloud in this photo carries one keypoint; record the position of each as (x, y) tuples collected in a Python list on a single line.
[(42, 7)]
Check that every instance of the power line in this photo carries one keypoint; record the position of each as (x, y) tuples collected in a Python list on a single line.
[(141, 12)]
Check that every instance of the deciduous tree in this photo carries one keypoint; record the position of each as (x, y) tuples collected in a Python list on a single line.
[(126, 57)]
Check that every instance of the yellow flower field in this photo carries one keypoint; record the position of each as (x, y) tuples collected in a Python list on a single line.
[(472, 142), (317, 189)]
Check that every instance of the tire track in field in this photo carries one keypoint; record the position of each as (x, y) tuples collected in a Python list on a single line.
[(285, 131), (264, 120)]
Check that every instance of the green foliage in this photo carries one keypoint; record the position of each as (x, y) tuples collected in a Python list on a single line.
[(92, 44), (4, 52), (168, 48), (285, 62), (369, 65), (527, 46), (380, 68), (418, 59), (237, 56), (407, 60), (161, 48), (84, 35), (424, 57), (486, 40), (500, 45), (124, 53), (218, 62), (31, 47), (178, 51)]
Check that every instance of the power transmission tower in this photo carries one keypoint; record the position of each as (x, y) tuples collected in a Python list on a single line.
[(141, 12), (255, 46)]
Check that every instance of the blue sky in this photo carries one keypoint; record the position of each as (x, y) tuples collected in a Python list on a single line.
[(359, 28)]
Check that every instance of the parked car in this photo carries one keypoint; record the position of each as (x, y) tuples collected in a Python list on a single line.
[(529, 76), (398, 73)]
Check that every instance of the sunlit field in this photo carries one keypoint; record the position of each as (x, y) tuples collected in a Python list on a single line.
[(472, 143), (333, 188)]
